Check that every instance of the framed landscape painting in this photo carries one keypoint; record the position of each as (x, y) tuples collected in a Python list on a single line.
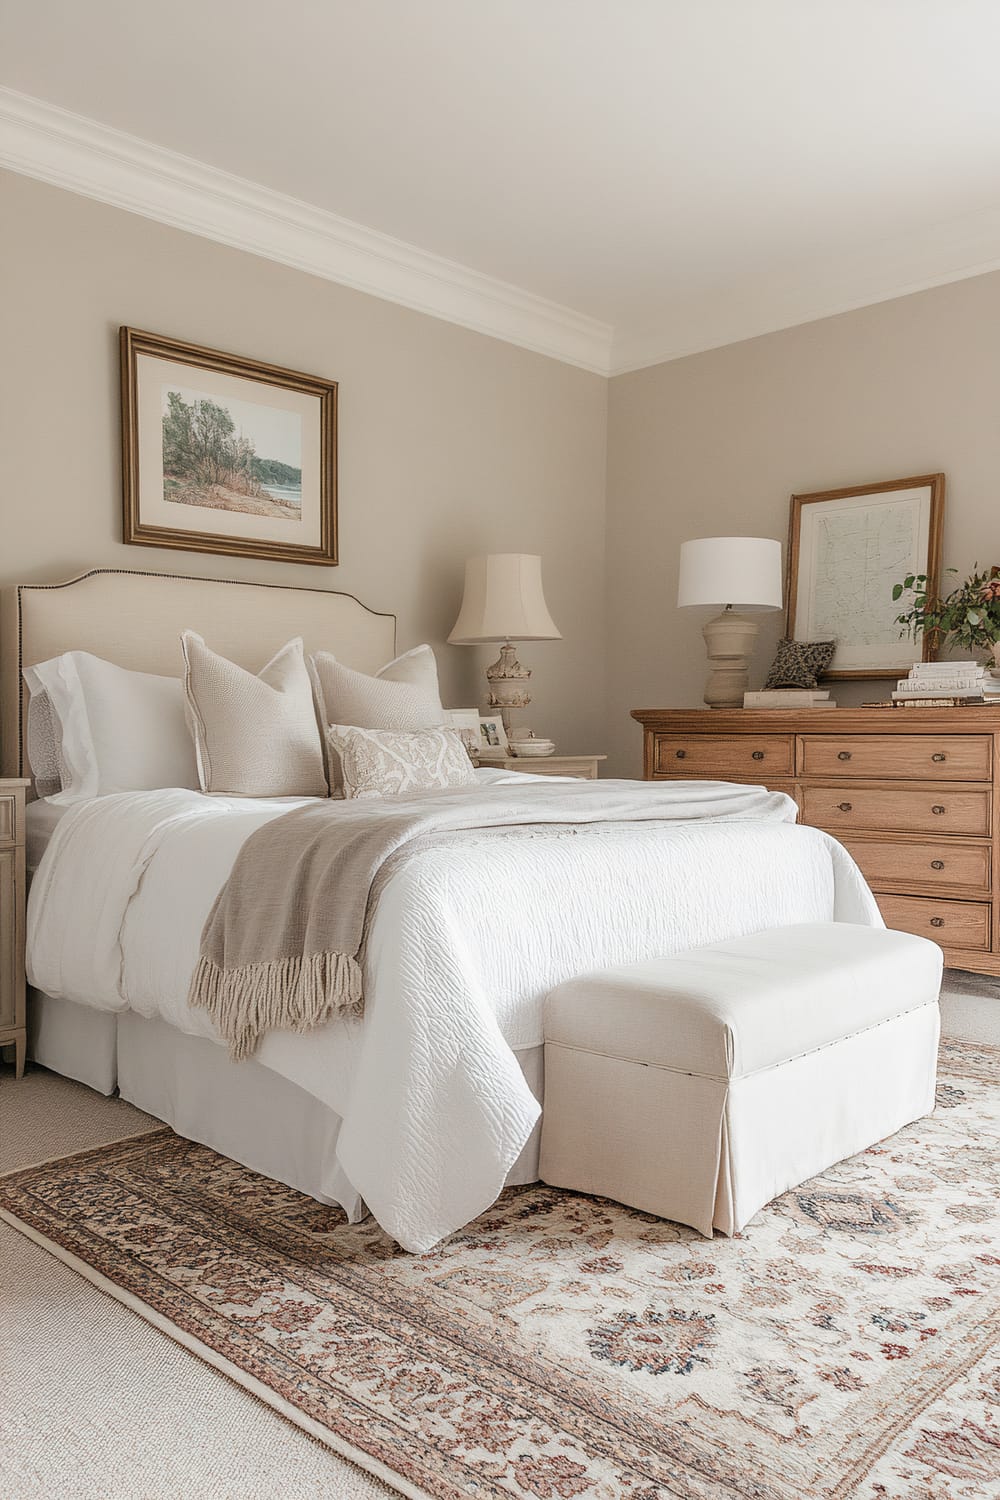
[(846, 549), (223, 454)]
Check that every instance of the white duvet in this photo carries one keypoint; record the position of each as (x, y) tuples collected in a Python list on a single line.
[(463, 947)]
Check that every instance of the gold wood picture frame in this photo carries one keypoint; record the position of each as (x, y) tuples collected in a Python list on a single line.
[(846, 549), (225, 454)]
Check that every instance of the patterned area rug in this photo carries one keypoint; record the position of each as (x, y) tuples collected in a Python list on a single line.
[(844, 1345)]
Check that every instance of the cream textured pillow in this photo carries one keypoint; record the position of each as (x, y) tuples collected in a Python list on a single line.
[(255, 736), (403, 695), (392, 762)]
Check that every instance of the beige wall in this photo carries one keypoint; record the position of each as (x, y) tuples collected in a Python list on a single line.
[(450, 443), (715, 444)]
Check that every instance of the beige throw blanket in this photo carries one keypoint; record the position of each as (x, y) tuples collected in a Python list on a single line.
[(281, 944)]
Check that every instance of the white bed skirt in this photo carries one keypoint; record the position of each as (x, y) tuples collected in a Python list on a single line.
[(243, 1110), (74, 1040)]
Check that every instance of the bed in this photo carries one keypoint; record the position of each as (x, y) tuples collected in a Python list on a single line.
[(424, 1107)]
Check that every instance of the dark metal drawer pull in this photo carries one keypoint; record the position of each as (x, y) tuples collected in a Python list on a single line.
[(937, 864), (937, 921), (757, 755), (844, 806), (843, 754), (937, 808), (939, 756), (680, 754)]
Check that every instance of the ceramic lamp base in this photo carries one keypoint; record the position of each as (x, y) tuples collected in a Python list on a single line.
[(508, 682), (730, 641)]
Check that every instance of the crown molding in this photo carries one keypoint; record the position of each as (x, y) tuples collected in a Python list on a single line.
[(882, 272), (69, 151), (39, 140)]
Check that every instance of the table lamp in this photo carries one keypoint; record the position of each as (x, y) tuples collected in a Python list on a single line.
[(743, 575), (503, 601)]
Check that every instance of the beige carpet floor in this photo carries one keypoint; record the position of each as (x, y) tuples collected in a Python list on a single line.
[(94, 1403), (97, 1405)]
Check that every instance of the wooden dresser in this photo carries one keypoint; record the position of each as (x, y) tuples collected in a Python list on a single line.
[(910, 792)]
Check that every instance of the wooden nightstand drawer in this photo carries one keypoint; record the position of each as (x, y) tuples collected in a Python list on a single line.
[(12, 994), (713, 758), (903, 863), (904, 810), (8, 818), (912, 757), (9, 993), (953, 924), (582, 767)]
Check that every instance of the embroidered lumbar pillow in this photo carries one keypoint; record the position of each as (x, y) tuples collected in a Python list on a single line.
[(393, 762), (254, 735), (800, 663)]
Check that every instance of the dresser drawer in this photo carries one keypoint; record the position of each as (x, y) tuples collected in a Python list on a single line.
[(903, 863), (892, 810), (8, 818), (8, 940), (910, 757), (953, 924), (714, 757)]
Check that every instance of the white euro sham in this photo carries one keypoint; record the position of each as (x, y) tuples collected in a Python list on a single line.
[(111, 730)]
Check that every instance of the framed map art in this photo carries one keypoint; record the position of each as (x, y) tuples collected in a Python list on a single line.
[(846, 549)]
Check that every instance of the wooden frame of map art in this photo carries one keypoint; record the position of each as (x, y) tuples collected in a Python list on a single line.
[(846, 549), (225, 454)]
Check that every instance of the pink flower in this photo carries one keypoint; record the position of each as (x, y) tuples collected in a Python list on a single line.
[(991, 590)]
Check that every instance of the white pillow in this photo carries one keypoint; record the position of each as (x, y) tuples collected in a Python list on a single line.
[(118, 731), (393, 762), (255, 736), (404, 694)]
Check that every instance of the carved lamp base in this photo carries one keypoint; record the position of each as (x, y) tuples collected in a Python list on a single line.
[(508, 684), (730, 640)]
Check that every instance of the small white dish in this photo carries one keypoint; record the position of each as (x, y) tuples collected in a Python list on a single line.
[(532, 747)]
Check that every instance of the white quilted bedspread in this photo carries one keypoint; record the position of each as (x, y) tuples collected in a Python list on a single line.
[(465, 943)]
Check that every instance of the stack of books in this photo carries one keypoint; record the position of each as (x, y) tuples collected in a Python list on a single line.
[(789, 698), (946, 684)]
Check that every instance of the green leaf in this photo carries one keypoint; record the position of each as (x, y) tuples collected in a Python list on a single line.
[(897, 590), (908, 582)]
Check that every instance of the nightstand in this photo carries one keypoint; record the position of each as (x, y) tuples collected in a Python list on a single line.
[(12, 1013), (582, 766)]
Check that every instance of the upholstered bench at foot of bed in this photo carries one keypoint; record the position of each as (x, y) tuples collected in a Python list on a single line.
[(700, 1086)]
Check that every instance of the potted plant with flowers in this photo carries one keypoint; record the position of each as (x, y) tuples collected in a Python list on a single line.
[(968, 617)]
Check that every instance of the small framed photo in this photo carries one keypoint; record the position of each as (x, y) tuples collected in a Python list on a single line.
[(466, 721), (226, 454), (492, 737)]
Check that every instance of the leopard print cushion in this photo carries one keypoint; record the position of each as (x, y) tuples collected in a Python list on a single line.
[(800, 663)]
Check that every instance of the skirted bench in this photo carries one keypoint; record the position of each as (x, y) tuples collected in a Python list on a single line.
[(700, 1086)]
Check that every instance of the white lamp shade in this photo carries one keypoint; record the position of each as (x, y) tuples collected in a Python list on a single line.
[(503, 601), (742, 571)]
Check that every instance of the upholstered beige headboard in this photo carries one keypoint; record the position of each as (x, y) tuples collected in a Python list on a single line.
[(135, 620)]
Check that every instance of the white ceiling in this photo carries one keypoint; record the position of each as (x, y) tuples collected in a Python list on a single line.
[(688, 171)]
